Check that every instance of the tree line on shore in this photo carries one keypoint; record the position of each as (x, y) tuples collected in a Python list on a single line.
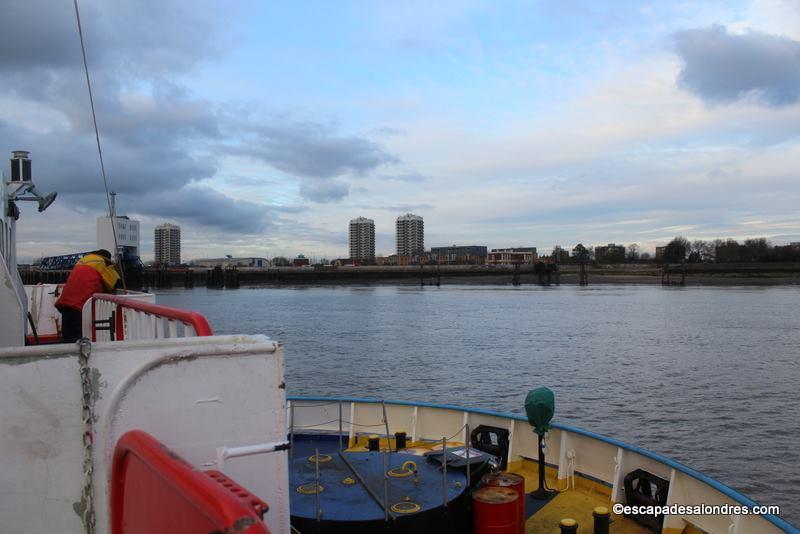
[(681, 249)]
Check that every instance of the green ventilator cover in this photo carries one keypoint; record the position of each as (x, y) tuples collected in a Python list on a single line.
[(540, 405)]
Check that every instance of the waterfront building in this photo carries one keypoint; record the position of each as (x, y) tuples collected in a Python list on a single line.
[(512, 256), (300, 261), (362, 239), (459, 255), (127, 235), (167, 243), (229, 261), (410, 232), (660, 253), (610, 253)]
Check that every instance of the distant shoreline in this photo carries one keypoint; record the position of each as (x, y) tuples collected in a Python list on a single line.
[(702, 274), (751, 274), (568, 279)]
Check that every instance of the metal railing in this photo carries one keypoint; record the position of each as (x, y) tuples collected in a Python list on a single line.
[(117, 318), (603, 459)]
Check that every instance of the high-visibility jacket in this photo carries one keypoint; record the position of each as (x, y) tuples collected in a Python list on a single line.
[(91, 274)]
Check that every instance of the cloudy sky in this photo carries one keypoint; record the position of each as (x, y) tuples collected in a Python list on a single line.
[(262, 128)]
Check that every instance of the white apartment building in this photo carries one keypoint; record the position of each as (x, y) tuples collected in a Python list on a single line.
[(410, 235), (127, 235), (168, 244), (362, 239)]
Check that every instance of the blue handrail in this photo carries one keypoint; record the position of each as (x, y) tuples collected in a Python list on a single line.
[(719, 486)]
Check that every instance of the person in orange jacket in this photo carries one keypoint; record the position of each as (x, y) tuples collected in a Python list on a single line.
[(93, 273)]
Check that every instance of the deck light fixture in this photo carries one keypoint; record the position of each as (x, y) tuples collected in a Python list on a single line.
[(21, 186), (540, 405)]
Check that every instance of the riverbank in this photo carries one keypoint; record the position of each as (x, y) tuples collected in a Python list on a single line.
[(744, 274), (566, 279)]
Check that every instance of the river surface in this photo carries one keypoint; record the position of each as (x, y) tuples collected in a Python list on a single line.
[(708, 376)]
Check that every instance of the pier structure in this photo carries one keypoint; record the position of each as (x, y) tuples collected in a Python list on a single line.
[(678, 271)]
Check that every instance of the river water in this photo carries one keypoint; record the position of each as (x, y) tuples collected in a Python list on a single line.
[(704, 375)]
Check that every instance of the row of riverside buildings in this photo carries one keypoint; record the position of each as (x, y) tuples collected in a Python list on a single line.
[(410, 247), (410, 237)]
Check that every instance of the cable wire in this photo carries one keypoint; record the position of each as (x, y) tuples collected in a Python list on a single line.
[(111, 216), (457, 432), (314, 405)]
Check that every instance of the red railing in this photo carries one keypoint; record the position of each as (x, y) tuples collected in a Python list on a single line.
[(127, 318), (154, 491)]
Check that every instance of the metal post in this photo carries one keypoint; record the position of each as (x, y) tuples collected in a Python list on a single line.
[(386, 424), (444, 472), (385, 488), (318, 488), (469, 466), (291, 429), (340, 425)]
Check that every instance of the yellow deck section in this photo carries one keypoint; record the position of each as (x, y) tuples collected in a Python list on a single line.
[(571, 503), (359, 444), (576, 503)]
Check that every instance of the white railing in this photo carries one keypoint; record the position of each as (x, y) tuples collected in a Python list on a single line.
[(121, 317)]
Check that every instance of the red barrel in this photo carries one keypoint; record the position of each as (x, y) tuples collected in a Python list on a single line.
[(494, 510), (515, 482)]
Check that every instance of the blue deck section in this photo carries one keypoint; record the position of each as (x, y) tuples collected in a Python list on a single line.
[(534, 505), (722, 488), (352, 502), (305, 445)]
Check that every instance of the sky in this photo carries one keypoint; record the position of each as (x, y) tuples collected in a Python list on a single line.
[(262, 128)]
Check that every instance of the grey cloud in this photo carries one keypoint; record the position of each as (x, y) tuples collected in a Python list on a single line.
[(206, 207), (721, 67), (321, 190), (69, 163), (313, 152), (132, 38), (152, 135), (311, 149), (157, 139)]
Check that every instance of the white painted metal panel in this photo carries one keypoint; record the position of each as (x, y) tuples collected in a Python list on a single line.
[(192, 394), (13, 307), (368, 419), (40, 440), (41, 305), (436, 423), (592, 457)]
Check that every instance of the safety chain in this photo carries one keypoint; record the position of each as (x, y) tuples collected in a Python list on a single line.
[(87, 416)]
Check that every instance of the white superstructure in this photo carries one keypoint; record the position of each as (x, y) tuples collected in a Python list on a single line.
[(12, 295), (127, 234)]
